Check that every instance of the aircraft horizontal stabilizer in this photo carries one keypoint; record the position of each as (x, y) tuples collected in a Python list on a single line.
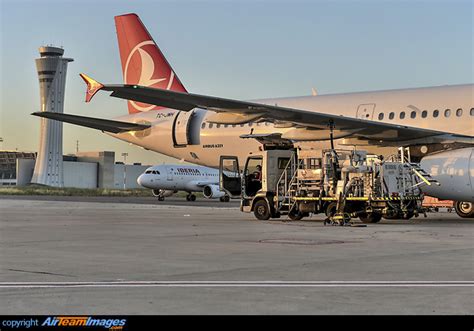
[(94, 123)]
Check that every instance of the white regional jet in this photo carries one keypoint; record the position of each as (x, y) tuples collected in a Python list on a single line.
[(436, 122), (167, 179)]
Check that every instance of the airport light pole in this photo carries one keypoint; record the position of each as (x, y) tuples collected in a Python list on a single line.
[(124, 169)]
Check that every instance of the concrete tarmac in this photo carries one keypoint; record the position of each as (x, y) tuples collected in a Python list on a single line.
[(76, 257)]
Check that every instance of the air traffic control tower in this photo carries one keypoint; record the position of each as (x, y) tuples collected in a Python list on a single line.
[(51, 67)]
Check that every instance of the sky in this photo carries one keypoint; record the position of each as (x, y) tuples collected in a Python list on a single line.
[(234, 49)]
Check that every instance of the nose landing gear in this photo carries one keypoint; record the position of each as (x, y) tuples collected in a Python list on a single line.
[(190, 197), (225, 198)]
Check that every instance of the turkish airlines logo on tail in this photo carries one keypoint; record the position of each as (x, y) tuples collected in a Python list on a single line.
[(140, 58)]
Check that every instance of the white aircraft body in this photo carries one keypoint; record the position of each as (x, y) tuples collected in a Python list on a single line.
[(436, 122), (167, 179)]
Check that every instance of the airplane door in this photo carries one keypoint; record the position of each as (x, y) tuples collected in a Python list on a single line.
[(229, 176), (365, 111), (169, 173), (181, 128)]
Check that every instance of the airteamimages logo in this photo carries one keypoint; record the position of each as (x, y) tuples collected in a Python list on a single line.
[(84, 321)]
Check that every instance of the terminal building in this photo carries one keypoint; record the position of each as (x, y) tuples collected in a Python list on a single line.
[(82, 170)]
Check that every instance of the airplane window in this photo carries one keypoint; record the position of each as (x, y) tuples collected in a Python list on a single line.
[(203, 125), (402, 115), (381, 116), (459, 112), (211, 125), (447, 113), (148, 172), (413, 114), (157, 172), (471, 112), (435, 113), (424, 113), (391, 116)]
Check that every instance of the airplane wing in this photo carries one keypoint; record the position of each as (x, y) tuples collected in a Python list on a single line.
[(314, 124), (202, 184), (94, 123)]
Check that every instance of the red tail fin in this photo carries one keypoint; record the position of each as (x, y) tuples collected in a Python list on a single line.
[(142, 61)]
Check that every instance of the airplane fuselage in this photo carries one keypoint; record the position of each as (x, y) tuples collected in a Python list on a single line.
[(176, 177), (445, 108)]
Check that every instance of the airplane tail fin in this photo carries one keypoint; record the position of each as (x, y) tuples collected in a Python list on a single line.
[(142, 61)]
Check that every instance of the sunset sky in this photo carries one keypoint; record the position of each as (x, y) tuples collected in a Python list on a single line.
[(234, 49)]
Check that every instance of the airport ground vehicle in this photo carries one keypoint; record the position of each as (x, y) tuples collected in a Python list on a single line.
[(340, 183), (462, 208), (434, 204)]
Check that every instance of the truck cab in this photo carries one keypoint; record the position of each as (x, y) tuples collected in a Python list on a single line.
[(257, 182)]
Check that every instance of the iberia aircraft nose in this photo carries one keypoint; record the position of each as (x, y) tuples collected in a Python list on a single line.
[(141, 180)]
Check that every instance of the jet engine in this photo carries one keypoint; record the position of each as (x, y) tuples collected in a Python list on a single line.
[(212, 192), (454, 170), (162, 193)]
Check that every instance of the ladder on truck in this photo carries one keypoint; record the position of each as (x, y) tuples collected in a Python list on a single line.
[(422, 177), (288, 185)]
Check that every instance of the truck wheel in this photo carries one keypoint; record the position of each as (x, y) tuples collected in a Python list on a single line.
[(331, 209), (295, 216), (464, 209), (226, 198), (370, 218), (261, 210)]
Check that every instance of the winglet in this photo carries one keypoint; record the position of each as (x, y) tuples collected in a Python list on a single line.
[(92, 86)]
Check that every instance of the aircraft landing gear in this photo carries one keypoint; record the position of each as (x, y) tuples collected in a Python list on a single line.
[(225, 198), (190, 197), (464, 209), (161, 198)]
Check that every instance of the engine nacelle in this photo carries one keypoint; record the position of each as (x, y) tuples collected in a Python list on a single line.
[(212, 192), (454, 170), (162, 193)]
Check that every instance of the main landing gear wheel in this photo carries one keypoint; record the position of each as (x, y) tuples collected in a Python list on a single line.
[(161, 198), (261, 210), (191, 197), (464, 209)]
